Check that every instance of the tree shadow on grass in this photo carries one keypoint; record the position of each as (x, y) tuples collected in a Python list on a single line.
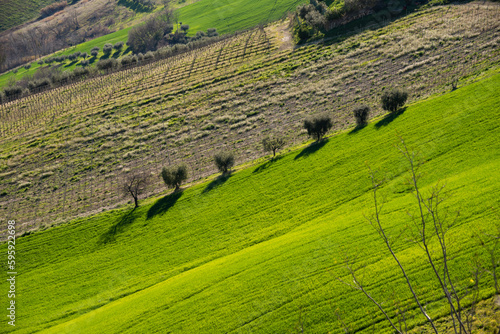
[(220, 180), (73, 62), (357, 128), (389, 118), (164, 204), (311, 149), (118, 227), (267, 164)]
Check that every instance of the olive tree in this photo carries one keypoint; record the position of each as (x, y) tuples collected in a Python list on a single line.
[(174, 176), (361, 114), (224, 161), (318, 126), (394, 99)]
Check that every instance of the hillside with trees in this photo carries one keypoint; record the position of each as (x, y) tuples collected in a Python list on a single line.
[(229, 94), (254, 181)]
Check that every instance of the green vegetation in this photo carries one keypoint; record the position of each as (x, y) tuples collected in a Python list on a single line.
[(260, 251), (56, 164), (235, 15), (16, 12)]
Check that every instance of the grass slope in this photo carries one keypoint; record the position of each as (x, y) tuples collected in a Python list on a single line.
[(234, 15), (16, 12), (259, 251)]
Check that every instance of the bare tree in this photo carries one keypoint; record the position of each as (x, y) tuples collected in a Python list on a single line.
[(135, 185), (273, 143), (427, 223)]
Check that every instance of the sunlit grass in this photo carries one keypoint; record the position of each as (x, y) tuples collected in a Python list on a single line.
[(262, 249)]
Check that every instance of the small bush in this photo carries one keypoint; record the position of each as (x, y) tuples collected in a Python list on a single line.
[(38, 85), (224, 161), (318, 126), (118, 46), (94, 53), (107, 48), (12, 91), (40, 62), (125, 61), (27, 66), (84, 62), (361, 115), (84, 55), (212, 32), (173, 177), (149, 56), (394, 99), (107, 64)]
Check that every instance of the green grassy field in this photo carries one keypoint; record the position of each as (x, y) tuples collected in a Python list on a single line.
[(260, 251), (234, 15), (16, 12)]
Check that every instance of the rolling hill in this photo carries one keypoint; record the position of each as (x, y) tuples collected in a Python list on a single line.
[(260, 251), (64, 152)]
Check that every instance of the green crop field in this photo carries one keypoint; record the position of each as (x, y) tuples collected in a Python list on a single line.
[(260, 251), (16, 12), (233, 15)]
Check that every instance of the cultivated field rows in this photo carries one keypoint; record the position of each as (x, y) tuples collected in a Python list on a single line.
[(64, 152)]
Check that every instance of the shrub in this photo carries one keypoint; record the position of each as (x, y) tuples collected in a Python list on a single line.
[(107, 64), (107, 48), (118, 46), (185, 27), (149, 56), (200, 34), (273, 143), (174, 176), (79, 71), (318, 126), (212, 32), (84, 62), (12, 91), (361, 114), (224, 161), (84, 55), (27, 66), (40, 62), (94, 53), (394, 99), (39, 84)]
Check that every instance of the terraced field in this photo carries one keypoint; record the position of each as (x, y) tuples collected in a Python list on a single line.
[(63, 153)]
